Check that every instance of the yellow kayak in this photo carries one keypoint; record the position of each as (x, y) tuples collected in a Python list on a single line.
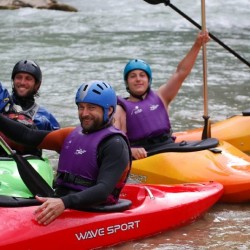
[(235, 130), (184, 163)]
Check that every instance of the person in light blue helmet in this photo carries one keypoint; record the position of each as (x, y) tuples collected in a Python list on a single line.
[(143, 115), (21, 105), (95, 157), (137, 64)]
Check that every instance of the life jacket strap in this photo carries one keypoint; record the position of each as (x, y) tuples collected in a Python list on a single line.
[(75, 179)]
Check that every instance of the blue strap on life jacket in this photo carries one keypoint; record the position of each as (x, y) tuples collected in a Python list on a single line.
[(4, 97)]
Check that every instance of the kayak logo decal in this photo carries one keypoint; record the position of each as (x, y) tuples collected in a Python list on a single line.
[(138, 178), (80, 151), (136, 110), (113, 229), (153, 107)]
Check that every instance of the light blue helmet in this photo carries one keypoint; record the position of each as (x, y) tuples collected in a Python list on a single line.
[(99, 93), (137, 64)]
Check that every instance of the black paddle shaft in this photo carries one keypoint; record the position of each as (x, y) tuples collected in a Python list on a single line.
[(31, 178), (167, 3)]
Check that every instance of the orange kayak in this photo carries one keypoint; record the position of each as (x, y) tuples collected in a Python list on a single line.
[(222, 163), (235, 130)]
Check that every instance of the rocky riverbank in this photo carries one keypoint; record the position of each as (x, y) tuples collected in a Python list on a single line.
[(40, 4)]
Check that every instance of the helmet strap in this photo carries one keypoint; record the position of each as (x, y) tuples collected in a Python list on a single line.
[(106, 117)]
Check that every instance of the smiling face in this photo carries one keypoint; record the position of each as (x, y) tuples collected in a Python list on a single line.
[(138, 82), (90, 116), (25, 84)]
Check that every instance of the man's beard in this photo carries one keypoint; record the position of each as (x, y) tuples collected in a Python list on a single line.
[(96, 125)]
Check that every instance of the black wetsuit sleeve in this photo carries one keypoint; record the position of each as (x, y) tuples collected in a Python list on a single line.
[(113, 156), (20, 133)]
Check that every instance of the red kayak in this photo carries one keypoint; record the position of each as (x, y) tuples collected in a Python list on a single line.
[(148, 210)]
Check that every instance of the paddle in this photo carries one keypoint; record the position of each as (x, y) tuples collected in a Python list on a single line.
[(32, 179), (167, 3), (207, 127)]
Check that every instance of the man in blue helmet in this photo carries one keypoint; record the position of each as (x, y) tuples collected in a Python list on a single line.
[(21, 106), (143, 115), (95, 157)]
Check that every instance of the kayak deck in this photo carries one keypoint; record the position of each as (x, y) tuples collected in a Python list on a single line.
[(234, 130), (11, 184), (224, 164), (155, 208)]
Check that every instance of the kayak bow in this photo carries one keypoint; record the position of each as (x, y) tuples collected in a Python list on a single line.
[(235, 130), (155, 208), (223, 163)]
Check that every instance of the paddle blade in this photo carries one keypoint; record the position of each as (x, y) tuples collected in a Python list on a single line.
[(154, 1), (206, 133), (32, 179)]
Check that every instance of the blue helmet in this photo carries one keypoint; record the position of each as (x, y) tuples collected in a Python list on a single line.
[(99, 93), (137, 64)]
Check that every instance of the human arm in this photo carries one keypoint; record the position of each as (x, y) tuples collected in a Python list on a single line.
[(120, 119), (114, 160), (32, 137), (120, 123), (49, 210), (168, 91), (4, 97), (20, 133), (138, 153)]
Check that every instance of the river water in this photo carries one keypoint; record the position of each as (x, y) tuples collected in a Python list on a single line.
[(98, 40)]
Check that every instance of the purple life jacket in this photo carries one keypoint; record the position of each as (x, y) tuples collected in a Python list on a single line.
[(78, 160), (146, 118)]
